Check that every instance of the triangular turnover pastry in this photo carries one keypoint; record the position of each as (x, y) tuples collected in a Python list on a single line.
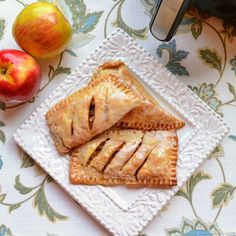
[(149, 115), (89, 112), (130, 157)]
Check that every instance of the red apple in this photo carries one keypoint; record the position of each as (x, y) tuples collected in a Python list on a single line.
[(42, 30), (20, 76)]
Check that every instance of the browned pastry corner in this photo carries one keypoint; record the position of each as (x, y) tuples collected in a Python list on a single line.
[(127, 157), (89, 112), (149, 115)]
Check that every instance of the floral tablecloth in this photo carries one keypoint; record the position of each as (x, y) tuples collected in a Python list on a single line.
[(202, 55)]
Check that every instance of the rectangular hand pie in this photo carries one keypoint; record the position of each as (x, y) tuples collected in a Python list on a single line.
[(149, 115), (89, 112), (130, 157)]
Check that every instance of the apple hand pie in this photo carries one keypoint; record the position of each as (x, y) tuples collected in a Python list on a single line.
[(130, 157), (89, 112), (149, 115)]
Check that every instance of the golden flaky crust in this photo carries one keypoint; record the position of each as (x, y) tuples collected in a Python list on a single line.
[(89, 112), (127, 157), (149, 115)]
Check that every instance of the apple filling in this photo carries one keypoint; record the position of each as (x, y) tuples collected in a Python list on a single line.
[(91, 113)]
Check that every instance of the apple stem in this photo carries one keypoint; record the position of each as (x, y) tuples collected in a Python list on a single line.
[(3, 71)]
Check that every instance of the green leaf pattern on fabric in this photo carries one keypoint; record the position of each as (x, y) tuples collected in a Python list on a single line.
[(176, 56), (62, 70), (14, 207), (196, 29), (187, 193), (218, 152), (78, 11), (2, 137), (135, 33), (71, 52), (90, 21), (195, 228), (211, 58), (149, 6), (222, 195), (194, 180), (26, 160), (182, 193), (186, 227), (2, 197), (37, 193), (2, 27), (82, 22), (20, 187), (208, 94), (232, 90), (191, 184), (4, 231), (233, 64), (44, 208), (233, 137)]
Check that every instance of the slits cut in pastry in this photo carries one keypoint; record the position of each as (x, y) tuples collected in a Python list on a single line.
[(149, 115), (89, 112), (127, 157)]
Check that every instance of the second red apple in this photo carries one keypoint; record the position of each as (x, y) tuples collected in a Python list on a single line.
[(20, 76)]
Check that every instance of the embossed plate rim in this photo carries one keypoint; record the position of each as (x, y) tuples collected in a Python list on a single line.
[(168, 87)]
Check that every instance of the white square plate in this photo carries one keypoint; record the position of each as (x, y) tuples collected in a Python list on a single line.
[(203, 131)]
